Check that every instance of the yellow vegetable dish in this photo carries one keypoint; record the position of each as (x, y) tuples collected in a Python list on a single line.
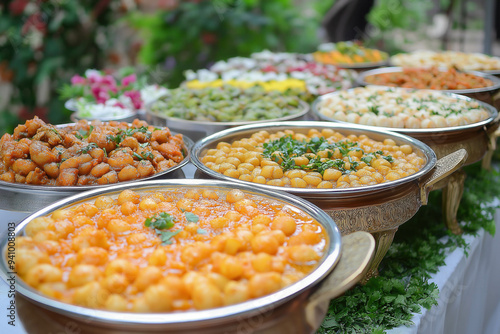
[(319, 159), (170, 250)]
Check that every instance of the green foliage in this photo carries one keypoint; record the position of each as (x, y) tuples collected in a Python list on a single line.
[(194, 35), (45, 43), (388, 15), (419, 249)]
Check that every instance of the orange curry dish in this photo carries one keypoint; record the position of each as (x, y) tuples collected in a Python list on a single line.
[(429, 78), (86, 153), (179, 249)]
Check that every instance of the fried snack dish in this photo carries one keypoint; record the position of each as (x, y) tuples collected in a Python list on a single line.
[(400, 108), (169, 250), (322, 160), (86, 153), (429, 78)]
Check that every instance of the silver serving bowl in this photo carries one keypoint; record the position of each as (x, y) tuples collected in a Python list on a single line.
[(29, 198), (74, 117), (216, 320), (197, 129), (378, 209), (486, 94), (474, 138), (230, 135), (363, 66)]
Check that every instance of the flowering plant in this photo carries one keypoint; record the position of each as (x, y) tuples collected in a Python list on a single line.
[(97, 87)]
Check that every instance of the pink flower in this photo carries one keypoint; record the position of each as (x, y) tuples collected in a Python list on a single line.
[(135, 97), (119, 104), (129, 79), (78, 80), (101, 95), (93, 76), (108, 80)]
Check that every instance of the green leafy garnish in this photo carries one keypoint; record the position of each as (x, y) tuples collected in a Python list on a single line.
[(191, 217), (285, 149), (82, 134), (143, 156), (161, 221), (165, 236), (118, 138), (201, 231), (87, 148)]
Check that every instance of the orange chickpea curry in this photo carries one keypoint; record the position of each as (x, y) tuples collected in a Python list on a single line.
[(169, 250), (86, 153), (319, 159)]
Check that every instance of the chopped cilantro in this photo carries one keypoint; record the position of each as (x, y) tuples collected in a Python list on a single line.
[(165, 236), (191, 217), (87, 148), (201, 231), (161, 221)]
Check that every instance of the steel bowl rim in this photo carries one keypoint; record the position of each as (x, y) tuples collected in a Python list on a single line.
[(245, 309), (71, 105), (408, 131), (310, 192), (399, 69), (188, 145), (303, 107)]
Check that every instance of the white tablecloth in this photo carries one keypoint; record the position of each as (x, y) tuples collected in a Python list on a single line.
[(469, 300)]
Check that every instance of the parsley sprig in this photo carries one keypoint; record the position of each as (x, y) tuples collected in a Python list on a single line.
[(163, 221), (285, 149), (122, 134)]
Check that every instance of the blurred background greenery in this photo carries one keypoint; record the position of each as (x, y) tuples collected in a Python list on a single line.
[(44, 43)]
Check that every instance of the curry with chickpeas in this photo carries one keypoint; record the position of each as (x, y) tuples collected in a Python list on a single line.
[(323, 159), (86, 153), (169, 250)]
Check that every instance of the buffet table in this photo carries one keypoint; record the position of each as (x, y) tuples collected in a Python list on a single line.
[(468, 301), (469, 298)]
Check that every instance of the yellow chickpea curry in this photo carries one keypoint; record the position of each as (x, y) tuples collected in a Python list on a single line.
[(86, 153), (319, 159), (170, 250)]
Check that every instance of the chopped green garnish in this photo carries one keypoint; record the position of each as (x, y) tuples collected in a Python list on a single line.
[(165, 236), (285, 149), (87, 148), (191, 217), (161, 221), (201, 231)]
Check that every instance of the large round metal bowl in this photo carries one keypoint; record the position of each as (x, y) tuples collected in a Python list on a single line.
[(377, 209), (486, 94), (216, 320), (197, 130), (128, 116), (29, 198), (475, 138), (363, 66)]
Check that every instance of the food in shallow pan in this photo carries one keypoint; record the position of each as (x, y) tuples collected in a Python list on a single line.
[(401, 108), (226, 104), (429, 78), (462, 61), (348, 53), (86, 153), (169, 250), (319, 159)]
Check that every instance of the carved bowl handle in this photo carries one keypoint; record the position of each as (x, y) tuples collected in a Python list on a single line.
[(357, 253), (444, 167)]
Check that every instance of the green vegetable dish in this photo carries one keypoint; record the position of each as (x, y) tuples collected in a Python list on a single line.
[(226, 104)]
